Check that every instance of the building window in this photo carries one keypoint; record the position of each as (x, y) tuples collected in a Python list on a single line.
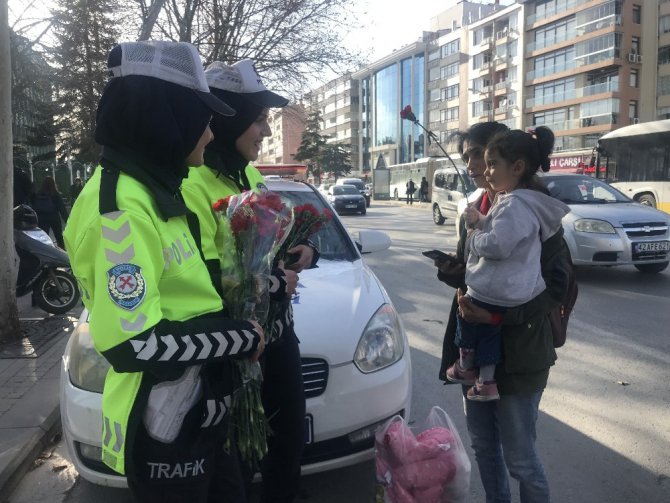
[(634, 78), (450, 92), (450, 114), (451, 48), (635, 45), (663, 25), (664, 85), (637, 14), (449, 71), (632, 111)]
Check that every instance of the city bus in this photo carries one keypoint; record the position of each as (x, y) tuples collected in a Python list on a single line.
[(399, 174), (636, 160)]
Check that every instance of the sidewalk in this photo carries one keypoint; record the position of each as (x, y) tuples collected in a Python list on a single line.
[(29, 377)]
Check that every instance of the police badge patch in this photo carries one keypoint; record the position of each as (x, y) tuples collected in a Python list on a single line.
[(126, 286)]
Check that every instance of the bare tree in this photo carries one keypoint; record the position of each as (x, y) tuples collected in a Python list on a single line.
[(9, 317), (293, 42), (149, 17)]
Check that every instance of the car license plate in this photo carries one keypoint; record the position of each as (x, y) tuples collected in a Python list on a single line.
[(350, 205), (651, 246), (308, 429)]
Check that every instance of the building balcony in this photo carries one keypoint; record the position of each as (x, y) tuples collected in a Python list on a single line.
[(485, 68), (596, 122), (533, 18), (549, 70), (487, 41), (543, 44), (550, 99)]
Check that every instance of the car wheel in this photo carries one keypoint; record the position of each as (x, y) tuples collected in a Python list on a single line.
[(652, 268), (363, 211), (437, 216), (647, 200)]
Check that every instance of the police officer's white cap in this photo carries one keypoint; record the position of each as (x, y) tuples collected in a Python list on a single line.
[(242, 78), (176, 62)]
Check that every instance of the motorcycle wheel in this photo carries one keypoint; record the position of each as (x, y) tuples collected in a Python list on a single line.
[(48, 297)]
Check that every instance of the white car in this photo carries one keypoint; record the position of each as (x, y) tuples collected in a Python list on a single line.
[(605, 227), (357, 371)]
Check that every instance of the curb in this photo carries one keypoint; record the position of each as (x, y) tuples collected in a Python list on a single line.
[(19, 465)]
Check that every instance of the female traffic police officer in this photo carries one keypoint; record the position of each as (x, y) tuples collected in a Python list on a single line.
[(154, 314), (237, 142)]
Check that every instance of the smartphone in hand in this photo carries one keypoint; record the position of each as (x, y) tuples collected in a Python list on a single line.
[(440, 256)]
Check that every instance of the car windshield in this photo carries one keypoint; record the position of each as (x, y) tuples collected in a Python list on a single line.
[(583, 190), (332, 240), (344, 189)]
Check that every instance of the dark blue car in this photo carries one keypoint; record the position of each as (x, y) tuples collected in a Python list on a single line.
[(346, 198)]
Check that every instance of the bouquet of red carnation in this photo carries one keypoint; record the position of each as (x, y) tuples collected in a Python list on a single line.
[(259, 223), (307, 221)]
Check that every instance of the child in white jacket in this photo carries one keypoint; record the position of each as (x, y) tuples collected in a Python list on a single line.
[(503, 249)]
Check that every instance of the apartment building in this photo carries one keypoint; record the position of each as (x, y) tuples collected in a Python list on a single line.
[(581, 67), (430, 76), (495, 70), (584, 68), (287, 125), (338, 101)]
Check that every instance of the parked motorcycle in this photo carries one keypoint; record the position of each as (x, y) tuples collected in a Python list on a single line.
[(44, 269)]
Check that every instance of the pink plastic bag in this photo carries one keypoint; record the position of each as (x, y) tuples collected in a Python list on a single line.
[(430, 467)]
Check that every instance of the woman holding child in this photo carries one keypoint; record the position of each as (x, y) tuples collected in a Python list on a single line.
[(502, 431)]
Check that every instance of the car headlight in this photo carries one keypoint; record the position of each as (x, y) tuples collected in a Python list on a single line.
[(86, 367), (382, 343), (596, 226)]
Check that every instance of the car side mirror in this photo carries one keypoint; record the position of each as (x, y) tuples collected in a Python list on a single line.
[(372, 241)]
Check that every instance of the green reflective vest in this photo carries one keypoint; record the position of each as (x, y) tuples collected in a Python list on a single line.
[(134, 269), (201, 190)]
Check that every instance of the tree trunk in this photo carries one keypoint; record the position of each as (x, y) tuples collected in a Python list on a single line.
[(9, 316), (150, 21)]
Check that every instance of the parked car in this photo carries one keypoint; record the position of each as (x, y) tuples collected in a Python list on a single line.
[(358, 183), (606, 228), (362, 359), (346, 198), (449, 187)]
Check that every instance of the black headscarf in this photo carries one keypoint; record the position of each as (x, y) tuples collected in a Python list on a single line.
[(221, 154), (151, 123)]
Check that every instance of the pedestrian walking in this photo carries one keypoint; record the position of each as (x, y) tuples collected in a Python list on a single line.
[(410, 188), (423, 190)]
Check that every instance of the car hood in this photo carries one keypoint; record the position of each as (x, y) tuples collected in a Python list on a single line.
[(617, 213), (335, 303)]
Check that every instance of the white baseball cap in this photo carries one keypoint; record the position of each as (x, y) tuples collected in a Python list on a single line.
[(176, 62), (242, 78)]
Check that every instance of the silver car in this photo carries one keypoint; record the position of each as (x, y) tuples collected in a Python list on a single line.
[(607, 228)]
